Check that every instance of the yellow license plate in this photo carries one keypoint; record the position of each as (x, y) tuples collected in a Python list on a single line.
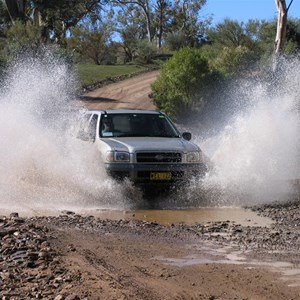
[(160, 176)]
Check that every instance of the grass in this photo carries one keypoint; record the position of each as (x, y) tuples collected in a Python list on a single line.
[(91, 74)]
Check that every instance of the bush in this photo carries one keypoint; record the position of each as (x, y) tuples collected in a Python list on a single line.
[(178, 89), (145, 52), (234, 61), (22, 35), (175, 41)]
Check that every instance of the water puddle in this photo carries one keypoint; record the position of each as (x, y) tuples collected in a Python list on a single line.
[(208, 253), (241, 216)]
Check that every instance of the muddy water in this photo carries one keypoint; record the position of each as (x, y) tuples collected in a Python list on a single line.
[(241, 216), (188, 216), (208, 253)]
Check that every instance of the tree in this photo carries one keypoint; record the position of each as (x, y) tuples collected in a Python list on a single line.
[(164, 16), (15, 9), (147, 11), (178, 90), (55, 17), (131, 29), (186, 21), (161, 19), (281, 26), (280, 38), (92, 40), (229, 34), (232, 62)]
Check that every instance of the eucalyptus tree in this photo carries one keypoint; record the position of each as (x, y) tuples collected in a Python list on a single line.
[(131, 28), (146, 7), (187, 22), (166, 16), (281, 25), (229, 33), (56, 17), (162, 19), (92, 40)]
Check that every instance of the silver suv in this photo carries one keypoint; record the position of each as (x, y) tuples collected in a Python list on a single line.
[(144, 146)]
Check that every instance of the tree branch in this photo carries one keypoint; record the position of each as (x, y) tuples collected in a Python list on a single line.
[(289, 5)]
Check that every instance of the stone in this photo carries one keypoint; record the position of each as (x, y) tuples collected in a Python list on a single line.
[(72, 297)]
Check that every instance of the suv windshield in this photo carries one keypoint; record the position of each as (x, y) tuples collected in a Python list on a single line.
[(136, 125)]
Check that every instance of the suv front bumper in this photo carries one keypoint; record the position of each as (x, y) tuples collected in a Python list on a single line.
[(142, 173)]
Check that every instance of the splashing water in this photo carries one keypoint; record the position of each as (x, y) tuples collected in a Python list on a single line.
[(256, 155), (42, 166)]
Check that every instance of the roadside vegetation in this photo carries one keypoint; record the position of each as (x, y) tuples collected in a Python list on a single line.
[(199, 61), (91, 74)]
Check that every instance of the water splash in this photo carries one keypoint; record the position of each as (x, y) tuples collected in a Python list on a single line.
[(256, 155), (42, 166)]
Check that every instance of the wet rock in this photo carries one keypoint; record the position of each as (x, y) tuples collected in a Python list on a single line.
[(14, 215), (68, 212)]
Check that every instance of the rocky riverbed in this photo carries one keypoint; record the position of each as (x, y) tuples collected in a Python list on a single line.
[(75, 257)]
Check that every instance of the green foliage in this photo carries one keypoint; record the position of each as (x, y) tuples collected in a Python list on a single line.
[(186, 19), (21, 36), (178, 89), (229, 34), (234, 61), (175, 41), (92, 40), (145, 52), (59, 16)]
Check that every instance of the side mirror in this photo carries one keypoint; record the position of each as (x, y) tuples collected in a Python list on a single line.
[(187, 136)]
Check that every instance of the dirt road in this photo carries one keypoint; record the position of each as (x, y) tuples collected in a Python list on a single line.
[(130, 93), (76, 257)]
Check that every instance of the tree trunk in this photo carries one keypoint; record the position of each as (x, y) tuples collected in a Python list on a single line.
[(281, 27)]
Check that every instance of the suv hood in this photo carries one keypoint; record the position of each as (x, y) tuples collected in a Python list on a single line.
[(134, 144)]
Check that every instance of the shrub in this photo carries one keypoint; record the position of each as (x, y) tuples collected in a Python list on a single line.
[(178, 89), (145, 52)]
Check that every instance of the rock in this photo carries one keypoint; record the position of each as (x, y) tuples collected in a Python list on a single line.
[(14, 215), (72, 297)]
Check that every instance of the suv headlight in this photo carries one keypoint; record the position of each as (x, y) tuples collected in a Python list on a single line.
[(193, 156), (118, 156)]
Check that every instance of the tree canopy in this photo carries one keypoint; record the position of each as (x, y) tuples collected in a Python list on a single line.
[(195, 52)]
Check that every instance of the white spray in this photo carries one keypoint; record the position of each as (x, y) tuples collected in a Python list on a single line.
[(42, 167), (256, 155)]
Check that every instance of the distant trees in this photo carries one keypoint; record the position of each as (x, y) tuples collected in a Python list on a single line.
[(93, 41), (121, 31), (133, 24), (55, 17), (158, 18)]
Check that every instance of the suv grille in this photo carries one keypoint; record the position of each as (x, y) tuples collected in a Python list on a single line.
[(158, 157)]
